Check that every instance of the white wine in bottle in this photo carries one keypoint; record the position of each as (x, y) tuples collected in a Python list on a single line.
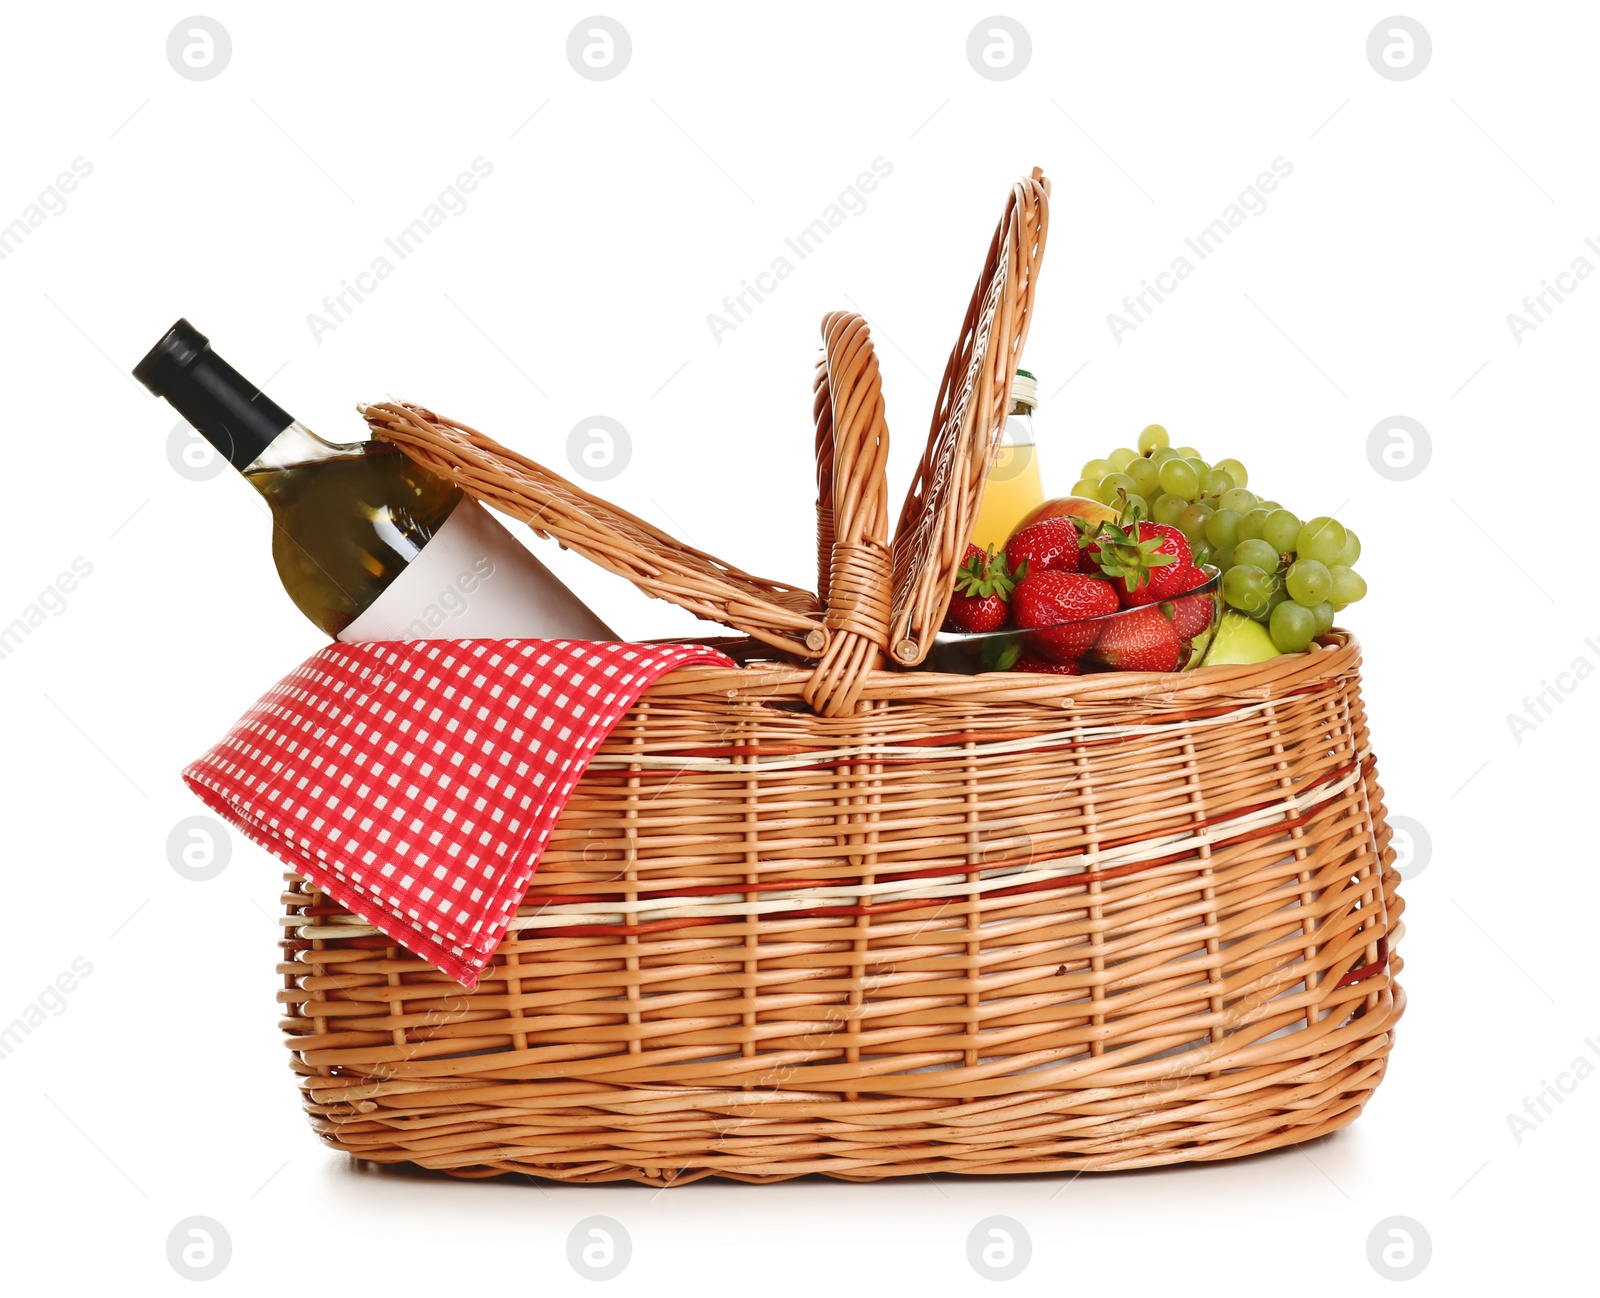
[(369, 544)]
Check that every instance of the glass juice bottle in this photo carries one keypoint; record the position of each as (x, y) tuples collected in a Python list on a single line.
[(1013, 490)]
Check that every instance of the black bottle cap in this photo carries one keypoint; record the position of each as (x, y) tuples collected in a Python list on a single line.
[(230, 411)]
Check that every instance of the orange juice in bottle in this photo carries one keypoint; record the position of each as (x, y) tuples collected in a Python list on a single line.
[(1012, 490)]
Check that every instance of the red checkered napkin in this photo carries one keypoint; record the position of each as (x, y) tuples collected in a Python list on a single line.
[(416, 783)]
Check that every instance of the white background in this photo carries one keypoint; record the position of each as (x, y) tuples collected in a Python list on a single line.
[(577, 282)]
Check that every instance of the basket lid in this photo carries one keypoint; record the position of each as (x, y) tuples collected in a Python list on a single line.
[(774, 612), (968, 419)]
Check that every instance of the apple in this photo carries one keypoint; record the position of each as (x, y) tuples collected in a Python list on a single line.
[(1090, 511)]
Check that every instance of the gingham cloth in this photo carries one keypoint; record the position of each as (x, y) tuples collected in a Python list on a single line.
[(416, 783)]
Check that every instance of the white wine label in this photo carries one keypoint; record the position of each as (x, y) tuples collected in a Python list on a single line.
[(474, 580)]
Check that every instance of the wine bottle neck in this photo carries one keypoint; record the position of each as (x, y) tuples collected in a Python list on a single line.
[(296, 444), (231, 413)]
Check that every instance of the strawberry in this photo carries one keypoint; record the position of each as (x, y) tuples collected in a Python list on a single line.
[(1089, 547), (1141, 640), (1178, 543), (1047, 599), (1192, 614), (1146, 562), (983, 585), (1050, 545), (1028, 663)]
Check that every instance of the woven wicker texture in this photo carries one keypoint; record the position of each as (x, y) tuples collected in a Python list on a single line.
[(987, 924)]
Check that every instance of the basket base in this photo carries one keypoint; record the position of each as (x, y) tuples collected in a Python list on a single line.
[(674, 1136)]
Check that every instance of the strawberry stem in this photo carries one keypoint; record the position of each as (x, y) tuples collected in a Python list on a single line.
[(1122, 554), (985, 575)]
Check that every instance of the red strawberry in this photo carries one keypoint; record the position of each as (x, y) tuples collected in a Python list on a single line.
[(1028, 663), (983, 585), (1050, 545), (1146, 562), (1192, 614), (1140, 640), (1047, 599), (1187, 578), (1178, 542)]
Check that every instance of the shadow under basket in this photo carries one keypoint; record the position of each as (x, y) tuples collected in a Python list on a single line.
[(990, 924)]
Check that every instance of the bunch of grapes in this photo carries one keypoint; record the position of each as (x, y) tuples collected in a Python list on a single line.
[(1289, 575)]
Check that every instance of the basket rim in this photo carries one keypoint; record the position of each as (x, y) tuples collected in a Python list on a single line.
[(1334, 654)]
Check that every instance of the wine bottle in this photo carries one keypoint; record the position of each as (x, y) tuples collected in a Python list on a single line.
[(369, 544)]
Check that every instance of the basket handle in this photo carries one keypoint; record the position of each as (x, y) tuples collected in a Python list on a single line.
[(855, 568), (822, 417)]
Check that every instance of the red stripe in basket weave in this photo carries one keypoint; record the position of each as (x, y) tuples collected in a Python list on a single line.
[(417, 783)]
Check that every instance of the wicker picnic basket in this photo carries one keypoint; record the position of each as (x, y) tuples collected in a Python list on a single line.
[(823, 914)]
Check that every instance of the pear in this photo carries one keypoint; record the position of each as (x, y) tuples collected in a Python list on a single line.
[(1240, 640)]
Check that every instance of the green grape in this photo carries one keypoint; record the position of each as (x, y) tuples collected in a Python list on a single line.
[(1222, 528), (1348, 585), (1094, 470), (1152, 438), (1106, 492), (1200, 467), (1268, 505), (1086, 487), (1238, 499), (1222, 557), (1166, 508), (1257, 553), (1246, 588), (1234, 470), (1192, 522), (1264, 613), (1292, 627), (1137, 502), (1251, 524), (1308, 582), (1188, 453), (1162, 454), (1321, 539), (1351, 551), (1146, 477), (1215, 483), (1121, 458), (1323, 613), (1179, 477), (1280, 530)]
